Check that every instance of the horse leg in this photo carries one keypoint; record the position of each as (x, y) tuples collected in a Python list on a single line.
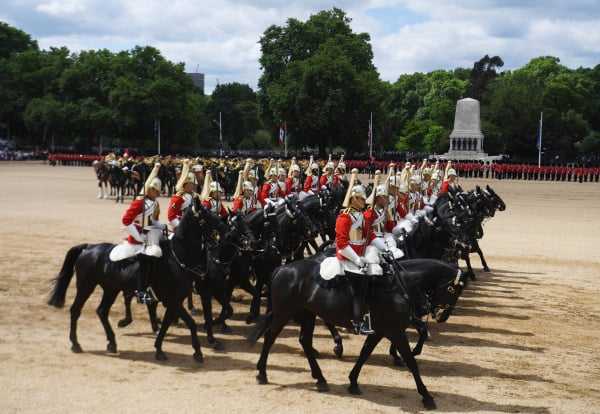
[(128, 318), (83, 293), (208, 321), (400, 341), (469, 272), (154, 321), (190, 304), (366, 351), (275, 327), (100, 189), (480, 253), (398, 362), (191, 324), (170, 315), (226, 312), (307, 329), (108, 298), (422, 328), (338, 348)]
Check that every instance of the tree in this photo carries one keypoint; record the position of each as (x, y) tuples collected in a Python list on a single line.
[(482, 73), (318, 76)]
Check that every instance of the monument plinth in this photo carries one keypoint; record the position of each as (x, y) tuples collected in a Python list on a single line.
[(466, 139)]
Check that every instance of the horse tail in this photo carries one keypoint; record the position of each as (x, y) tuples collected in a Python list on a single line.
[(260, 328), (62, 280)]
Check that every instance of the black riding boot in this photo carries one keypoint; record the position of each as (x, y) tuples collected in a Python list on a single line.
[(143, 296), (361, 319)]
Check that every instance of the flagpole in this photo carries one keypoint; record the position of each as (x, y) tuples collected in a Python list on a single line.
[(285, 139), (540, 141), (371, 136)]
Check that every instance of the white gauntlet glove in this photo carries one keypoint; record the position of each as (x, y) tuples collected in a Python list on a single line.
[(380, 244), (133, 232), (349, 253)]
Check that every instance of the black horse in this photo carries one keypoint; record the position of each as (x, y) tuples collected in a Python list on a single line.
[(171, 276), (483, 204), (296, 293)]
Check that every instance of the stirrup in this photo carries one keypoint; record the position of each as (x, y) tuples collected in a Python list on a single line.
[(144, 297), (362, 328)]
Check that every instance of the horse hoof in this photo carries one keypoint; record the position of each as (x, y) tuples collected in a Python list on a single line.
[(429, 404), (123, 323), (111, 348), (486, 269), (399, 362), (198, 357), (338, 350), (251, 319), (76, 349), (226, 329), (160, 356), (218, 346), (354, 390), (471, 275), (262, 379), (322, 386)]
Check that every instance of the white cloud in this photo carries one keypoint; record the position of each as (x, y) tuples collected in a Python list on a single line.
[(221, 39)]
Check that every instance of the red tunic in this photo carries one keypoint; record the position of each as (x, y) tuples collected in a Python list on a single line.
[(245, 205), (216, 207), (135, 213), (350, 230), (178, 202), (293, 185)]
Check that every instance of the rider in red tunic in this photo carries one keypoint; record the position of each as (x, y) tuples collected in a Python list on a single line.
[(352, 236), (185, 187), (145, 231)]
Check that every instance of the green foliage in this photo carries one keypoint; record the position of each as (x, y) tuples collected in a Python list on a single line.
[(318, 77)]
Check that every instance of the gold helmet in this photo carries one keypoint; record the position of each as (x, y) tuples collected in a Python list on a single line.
[(381, 190), (183, 178), (349, 193), (247, 185), (215, 186), (153, 181)]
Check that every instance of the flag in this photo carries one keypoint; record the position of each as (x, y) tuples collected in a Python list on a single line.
[(281, 134)]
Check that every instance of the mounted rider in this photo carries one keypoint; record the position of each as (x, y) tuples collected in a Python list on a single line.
[(293, 183), (327, 180), (356, 251), (212, 196), (145, 232), (184, 196), (244, 197), (311, 184), (271, 193)]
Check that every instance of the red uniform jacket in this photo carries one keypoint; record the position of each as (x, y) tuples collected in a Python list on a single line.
[(135, 213), (351, 230)]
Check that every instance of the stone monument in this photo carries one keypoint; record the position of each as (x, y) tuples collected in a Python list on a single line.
[(466, 139)]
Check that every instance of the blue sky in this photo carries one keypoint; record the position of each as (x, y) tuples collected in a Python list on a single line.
[(220, 39)]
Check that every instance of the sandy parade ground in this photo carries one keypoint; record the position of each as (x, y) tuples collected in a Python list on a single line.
[(524, 338)]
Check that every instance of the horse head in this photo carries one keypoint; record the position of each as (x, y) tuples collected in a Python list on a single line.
[(498, 202), (200, 224), (242, 235), (443, 297)]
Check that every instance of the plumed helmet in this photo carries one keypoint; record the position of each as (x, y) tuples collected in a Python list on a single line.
[(273, 171), (329, 165), (359, 191), (282, 171), (251, 174), (314, 166), (415, 179), (393, 181), (296, 167), (342, 166), (427, 171), (381, 190), (435, 176), (403, 188), (451, 171), (190, 178), (215, 186), (155, 183), (247, 185)]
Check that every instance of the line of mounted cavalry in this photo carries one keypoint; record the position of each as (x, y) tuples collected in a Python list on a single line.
[(275, 254)]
